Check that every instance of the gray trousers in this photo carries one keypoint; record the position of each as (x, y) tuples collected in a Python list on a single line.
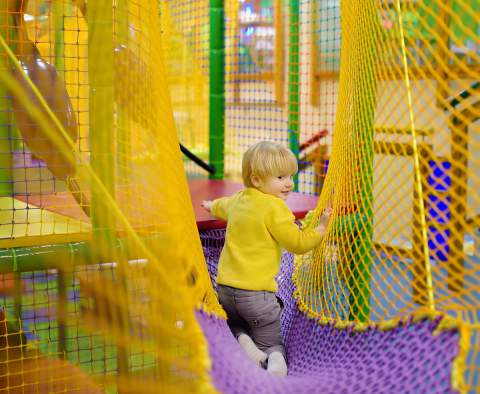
[(255, 313)]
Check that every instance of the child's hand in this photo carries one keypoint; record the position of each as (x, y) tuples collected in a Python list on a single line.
[(207, 204), (324, 220)]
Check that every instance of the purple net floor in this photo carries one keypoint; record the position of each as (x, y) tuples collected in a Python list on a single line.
[(322, 359)]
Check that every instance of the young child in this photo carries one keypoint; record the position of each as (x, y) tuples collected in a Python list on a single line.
[(259, 224)]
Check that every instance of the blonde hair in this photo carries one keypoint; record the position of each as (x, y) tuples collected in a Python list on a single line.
[(265, 159)]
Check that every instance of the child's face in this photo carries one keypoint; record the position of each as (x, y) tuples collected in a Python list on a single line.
[(279, 186)]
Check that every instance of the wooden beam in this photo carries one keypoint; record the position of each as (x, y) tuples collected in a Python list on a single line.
[(397, 148), (403, 131)]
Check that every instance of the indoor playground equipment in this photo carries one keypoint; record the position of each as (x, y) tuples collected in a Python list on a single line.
[(107, 265)]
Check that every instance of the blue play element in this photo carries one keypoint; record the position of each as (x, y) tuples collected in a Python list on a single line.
[(439, 209), (438, 243), (439, 176)]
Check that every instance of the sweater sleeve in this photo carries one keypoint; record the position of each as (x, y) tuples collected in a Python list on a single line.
[(280, 223), (221, 206)]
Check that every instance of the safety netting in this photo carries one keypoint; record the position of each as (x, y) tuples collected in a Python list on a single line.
[(104, 284)]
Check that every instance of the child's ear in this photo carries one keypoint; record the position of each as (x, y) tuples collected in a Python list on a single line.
[(256, 181)]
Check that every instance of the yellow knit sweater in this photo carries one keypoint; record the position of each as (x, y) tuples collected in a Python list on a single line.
[(258, 226)]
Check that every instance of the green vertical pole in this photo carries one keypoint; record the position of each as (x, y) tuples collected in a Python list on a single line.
[(62, 313), (17, 297), (123, 139), (362, 49), (59, 61), (293, 81), (58, 8), (6, 184), (217, 87), (101, 131), (123, 152), (102, 143)]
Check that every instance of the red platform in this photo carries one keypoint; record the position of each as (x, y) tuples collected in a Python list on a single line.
[(205, 189), (200, 189)]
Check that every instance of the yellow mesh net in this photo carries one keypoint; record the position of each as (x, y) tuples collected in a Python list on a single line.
[(97, 229), (403, 171), (142, 270)]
